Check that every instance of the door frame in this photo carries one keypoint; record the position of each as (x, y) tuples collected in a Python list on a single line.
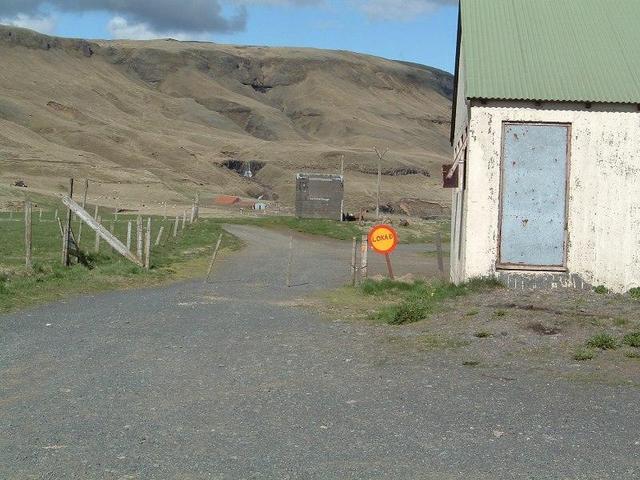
[(543, 268)]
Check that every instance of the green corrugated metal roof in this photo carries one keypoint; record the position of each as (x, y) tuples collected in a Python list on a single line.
[(566, 50)]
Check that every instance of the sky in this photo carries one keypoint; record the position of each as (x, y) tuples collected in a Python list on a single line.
[(421, 31)]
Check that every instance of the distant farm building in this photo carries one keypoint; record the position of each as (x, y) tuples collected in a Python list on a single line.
[(226, 200), (249, 204), (237, 202), (546, 131), (319, 196)]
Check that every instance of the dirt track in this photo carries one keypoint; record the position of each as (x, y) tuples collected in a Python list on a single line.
[(231, 381)]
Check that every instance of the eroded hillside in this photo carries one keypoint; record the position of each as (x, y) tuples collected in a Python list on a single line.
[(157, 120)]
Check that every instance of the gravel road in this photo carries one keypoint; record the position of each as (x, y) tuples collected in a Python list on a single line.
[(231, 381)]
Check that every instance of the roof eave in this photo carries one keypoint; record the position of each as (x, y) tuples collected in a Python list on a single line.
[(456, 77)]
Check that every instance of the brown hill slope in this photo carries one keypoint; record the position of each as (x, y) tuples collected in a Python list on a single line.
[(155, 121)]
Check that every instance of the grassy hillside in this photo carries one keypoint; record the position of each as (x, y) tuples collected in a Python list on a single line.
[(155, 121)]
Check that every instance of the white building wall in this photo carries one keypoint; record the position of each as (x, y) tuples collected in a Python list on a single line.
[(462, 104), (603, 197), (458, 201)]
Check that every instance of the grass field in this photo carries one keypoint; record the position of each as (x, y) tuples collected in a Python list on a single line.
[(183, 257), (397, 303), (418, 232)]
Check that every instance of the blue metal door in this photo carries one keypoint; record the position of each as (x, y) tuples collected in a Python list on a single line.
[(534, 179)]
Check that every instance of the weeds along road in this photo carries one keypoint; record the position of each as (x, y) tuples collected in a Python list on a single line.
[(231, 381)]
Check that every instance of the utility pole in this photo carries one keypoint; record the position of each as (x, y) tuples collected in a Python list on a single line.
[(381, 155), (342, 178)]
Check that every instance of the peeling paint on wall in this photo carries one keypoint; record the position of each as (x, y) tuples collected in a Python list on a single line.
[(603, 198)]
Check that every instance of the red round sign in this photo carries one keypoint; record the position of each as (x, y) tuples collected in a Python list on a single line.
[(383, 239)]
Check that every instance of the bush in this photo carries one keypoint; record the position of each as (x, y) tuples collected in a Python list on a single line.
[(632, 339), (483, 334), (603, 341), (582, 354), (601, 289), (408, 312), (418, 299), (635, 293)]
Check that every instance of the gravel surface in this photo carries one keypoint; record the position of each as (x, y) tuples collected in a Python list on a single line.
[(231, 381)]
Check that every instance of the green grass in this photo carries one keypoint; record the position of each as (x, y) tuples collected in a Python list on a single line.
[(632, 354), (582, 353), (471, 363), (632, 339), (601, 289), (418, 233), (415, 301), (183, 257), (387, 286), (603, 341), (635, 293), (409, 311), (483, 334)]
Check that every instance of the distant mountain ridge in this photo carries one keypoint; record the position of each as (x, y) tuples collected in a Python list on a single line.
[(154, 121)]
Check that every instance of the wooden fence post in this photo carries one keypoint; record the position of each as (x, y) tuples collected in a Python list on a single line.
[(147, 245), (84, 206), (175, 227), (290, 262), (354, 267), (213, 258), (67, 229), (159, 237), (197, 206), (97, 245), (364, 249), (129, 235), (439, 253), (139, 237), (40, 215), (27, 234), (95, 212), (184, 219), (112, 230)]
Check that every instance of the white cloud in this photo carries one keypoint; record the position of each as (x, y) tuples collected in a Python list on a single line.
[(120, 27), (296, 3), (399, 9), (197, 16), (42, 24)]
